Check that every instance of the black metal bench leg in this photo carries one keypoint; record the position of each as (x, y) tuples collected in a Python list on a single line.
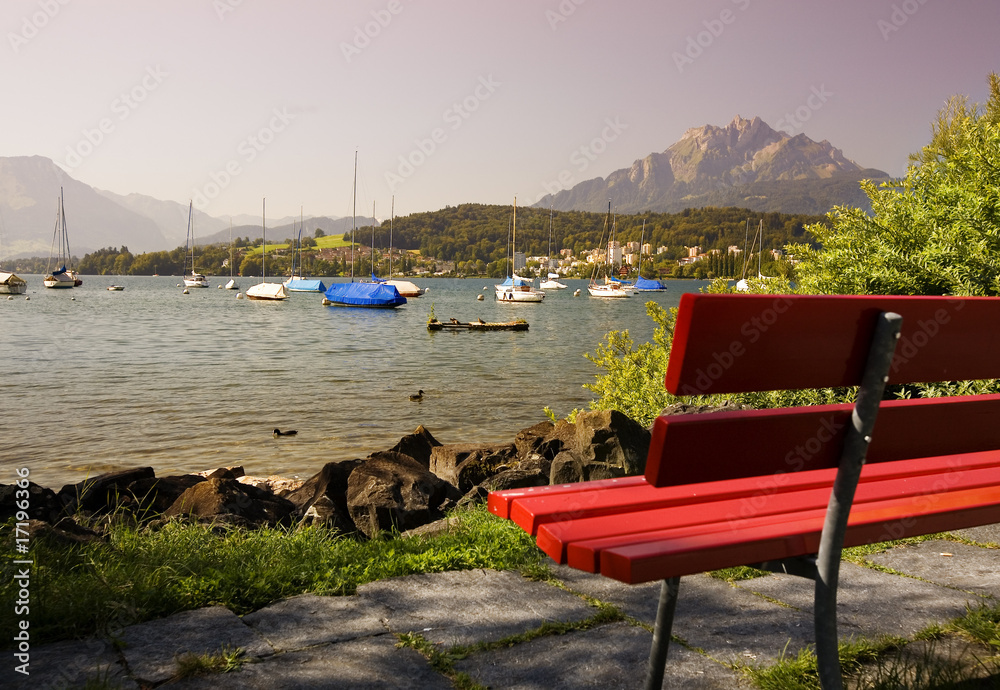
[(661, 633)]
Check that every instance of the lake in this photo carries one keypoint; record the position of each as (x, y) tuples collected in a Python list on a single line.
[(97, 380)]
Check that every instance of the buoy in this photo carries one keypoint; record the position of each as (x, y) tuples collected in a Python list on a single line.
[(178, 284), (577, 293), (185, 292), (10, 297), (479, 297), (27, 298), (220, 287), (239, 295)]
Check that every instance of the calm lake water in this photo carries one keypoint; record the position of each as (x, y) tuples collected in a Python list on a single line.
[(96, 380)]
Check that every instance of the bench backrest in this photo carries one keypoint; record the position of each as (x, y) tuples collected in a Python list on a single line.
[(740, 343)]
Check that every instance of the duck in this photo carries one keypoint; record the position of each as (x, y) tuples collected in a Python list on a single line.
[(279, 432), (417, 397)]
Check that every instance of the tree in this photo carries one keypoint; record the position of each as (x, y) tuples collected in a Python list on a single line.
[(935, 232)]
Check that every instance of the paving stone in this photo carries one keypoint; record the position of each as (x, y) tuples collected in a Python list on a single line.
[(732, 625), (861, 601), (151, 649), (610, 656), (471, 605), (987, 534), (967, 567), (307, 620), (67, 665), (373, 663)]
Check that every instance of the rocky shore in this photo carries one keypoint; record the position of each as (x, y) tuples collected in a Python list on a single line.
[(404, 488)]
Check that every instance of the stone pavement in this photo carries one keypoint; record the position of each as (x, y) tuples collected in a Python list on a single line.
[(351, 642)]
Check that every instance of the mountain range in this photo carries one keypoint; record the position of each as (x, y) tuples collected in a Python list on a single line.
[(746, 164), (29, 190)]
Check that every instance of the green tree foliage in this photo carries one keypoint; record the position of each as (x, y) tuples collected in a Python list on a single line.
[(935, 232)]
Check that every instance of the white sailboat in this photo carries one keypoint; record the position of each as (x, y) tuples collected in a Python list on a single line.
[(231, 285), (758, 241), (515, 288), (552, 279), (193, 279), (265, 290), (12, 284), (609, 289), (405, 288), (62, 277)]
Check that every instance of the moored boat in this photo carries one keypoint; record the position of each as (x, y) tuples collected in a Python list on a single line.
[(264, 290), (515, 288), (478, 325), (11, 284), (63, 277), (193, 279)]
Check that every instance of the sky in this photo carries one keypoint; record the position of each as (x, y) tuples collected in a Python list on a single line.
[(444, 102)]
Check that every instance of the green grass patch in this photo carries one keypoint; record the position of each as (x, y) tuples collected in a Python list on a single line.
[(141, 574), (227, 660)]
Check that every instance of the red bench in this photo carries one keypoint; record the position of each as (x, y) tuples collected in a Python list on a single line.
[(787, 489)]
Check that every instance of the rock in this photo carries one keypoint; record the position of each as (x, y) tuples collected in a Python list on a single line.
[(417, 445), (390, 490), (467, 464), (219, 497), (152, 496), (528, 440), (607, 444), (327, 492), (235, 470), (276, 484), (42, 503), (105, 492), (66, 531)]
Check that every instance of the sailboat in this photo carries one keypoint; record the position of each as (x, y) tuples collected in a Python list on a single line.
[(231, 285), (758, 241), (404, 287), (609, 289), (552, 279), (265, 290), (194, 279), (12, 284), (646, 284), (296, 282), (369, 295), (63, 277), (515, 288)]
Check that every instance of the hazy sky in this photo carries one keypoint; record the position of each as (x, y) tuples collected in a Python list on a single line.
[(445, 102)]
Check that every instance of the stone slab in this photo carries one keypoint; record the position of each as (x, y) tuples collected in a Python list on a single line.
[(862, 595), (987, 534), (470, 606), (151, 649), (730, 624), (308, 620), (372, 663), (949, 563), (68, 664), (610, 656)]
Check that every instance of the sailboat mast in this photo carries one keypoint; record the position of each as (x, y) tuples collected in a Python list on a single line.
[(373, 238), (263, 238), (65, 234), (354, 212), (392, 216), (513, 240)]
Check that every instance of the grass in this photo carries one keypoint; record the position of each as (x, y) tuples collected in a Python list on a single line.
[(140, 574), (227, 660)]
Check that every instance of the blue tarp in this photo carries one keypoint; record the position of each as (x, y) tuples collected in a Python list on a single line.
[(364, 295), (303, 285), (646, 284), (509, 282)]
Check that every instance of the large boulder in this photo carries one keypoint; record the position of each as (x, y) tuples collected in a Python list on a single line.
[(389, 490), (322, 499), (41, 503), (417, 445), (223, 498), (466, 465), (151, 496), (103, 493), (606, 444)]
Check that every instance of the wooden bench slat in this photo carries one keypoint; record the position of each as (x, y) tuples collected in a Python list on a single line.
[(499, 502), (531, 511), (777, 536), (581, 542), (745, 443), (740, 343)]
